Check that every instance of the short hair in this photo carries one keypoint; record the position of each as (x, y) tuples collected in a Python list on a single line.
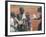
[(21, 8)]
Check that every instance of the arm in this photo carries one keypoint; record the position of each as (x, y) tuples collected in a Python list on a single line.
[(19, 22)]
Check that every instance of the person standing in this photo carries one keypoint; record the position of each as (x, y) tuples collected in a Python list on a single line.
[(12, 27), (21, 17)]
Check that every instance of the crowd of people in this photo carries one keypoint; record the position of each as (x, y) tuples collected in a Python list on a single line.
[(20, 22)]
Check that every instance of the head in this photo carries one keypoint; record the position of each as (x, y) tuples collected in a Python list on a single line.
[(40, 9), (21, 10), (27, 14)]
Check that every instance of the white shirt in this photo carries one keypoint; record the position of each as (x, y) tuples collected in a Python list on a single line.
[(23, 16), (12, 23)]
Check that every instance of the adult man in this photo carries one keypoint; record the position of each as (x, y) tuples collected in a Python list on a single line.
[(21, 17)]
